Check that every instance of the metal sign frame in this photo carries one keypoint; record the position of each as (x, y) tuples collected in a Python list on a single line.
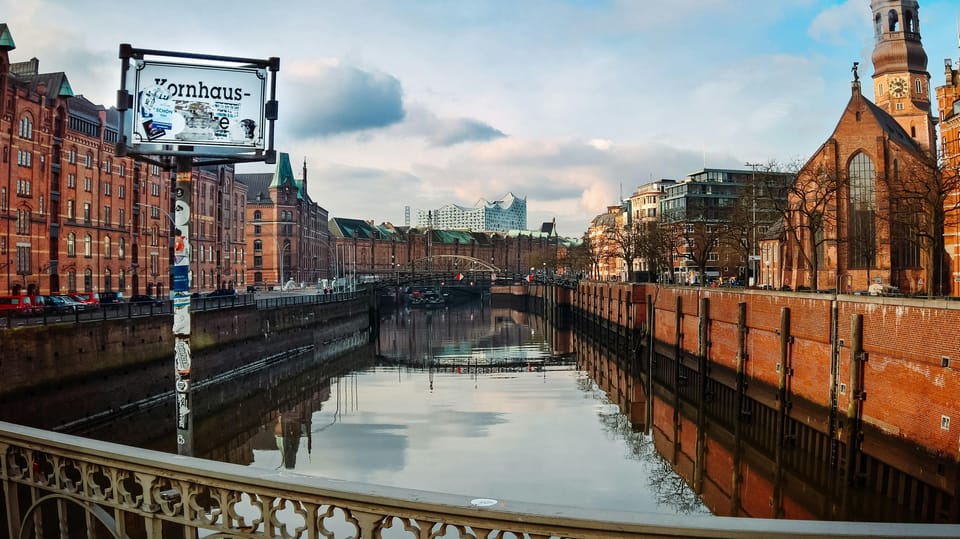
[(201, 151)]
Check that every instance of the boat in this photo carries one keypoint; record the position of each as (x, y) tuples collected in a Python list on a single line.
[(428, 298)]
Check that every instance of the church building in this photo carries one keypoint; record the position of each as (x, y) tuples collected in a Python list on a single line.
[(863, 208)]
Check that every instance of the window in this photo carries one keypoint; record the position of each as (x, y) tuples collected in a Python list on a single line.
[(121, 247), (72, 181), (88, 160), (863, 207), (108, 166), (121, 191), (88, 280), (122, 169), (919, 86), (106, 216), (257, 246), (41, 208), (87, 184), (23, 260), (257, 263), (107, 245), (155, 189), (71, 209), (154, 170), (71, 244), (72, 156), (256, 230), (86, 213), (88, 246), (71, 281), (121, 217), (24, 158), (23, 188), (122, 281), (899, 106), (23, 222), (107, 189), (257, 215), (25, 129), (3, 198)]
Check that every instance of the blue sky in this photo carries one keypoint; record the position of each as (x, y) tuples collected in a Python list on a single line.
[(569, 103)]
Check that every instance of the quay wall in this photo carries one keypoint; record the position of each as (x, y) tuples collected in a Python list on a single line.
[(53, 355), (908, 384)]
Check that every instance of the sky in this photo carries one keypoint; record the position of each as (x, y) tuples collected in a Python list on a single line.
[(572, 104)]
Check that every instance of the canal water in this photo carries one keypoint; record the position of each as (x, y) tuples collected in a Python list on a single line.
[(495, 403)]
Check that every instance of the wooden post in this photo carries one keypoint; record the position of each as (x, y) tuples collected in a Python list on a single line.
[(856, 397), (783, 409), (737, 480), (651, 356), (703, 370)]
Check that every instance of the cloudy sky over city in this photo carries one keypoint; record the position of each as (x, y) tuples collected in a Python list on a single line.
[(569, 103)]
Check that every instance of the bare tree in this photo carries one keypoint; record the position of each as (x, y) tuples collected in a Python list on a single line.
[(924, 204), (656, 247), (807, 206), (624, 243)]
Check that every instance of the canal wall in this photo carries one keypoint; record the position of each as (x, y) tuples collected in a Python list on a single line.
[(854, 368), (41, 360)]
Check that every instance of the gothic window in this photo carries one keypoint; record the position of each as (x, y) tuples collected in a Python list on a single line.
[(87, 246), (862, 215), (107, 247), (25, 129), (88, 280)]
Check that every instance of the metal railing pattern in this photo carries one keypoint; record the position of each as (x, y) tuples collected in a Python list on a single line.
[(113, 490)]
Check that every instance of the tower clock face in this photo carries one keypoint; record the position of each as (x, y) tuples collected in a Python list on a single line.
[(898, 86)]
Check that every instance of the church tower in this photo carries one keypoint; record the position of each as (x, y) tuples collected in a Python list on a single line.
[(901, 82)]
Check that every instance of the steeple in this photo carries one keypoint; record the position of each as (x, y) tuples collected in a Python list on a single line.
[(901, 82)]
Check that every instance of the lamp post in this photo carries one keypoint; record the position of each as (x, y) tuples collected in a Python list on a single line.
[(284, 247), (752, 257)]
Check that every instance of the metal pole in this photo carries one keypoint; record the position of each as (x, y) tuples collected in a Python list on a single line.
[(183, 189)]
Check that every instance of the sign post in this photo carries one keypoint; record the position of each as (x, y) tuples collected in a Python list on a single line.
[(217, 112)]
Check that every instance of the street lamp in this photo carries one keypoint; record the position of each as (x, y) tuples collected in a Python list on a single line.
[(752, 257)]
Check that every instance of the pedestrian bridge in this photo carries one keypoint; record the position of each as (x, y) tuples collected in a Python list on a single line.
[(57, 485)]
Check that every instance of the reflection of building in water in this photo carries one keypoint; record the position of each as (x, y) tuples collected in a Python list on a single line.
[(453, 336), (736, 464), (291, 428)]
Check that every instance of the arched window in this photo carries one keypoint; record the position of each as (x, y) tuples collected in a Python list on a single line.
[(121, 247), (88, 280), (25, 129), (106, 247), (257, 215), (71, 281), (122, 281), (257, 246), (862, 234), (71, 244), (88, 245), (107, 280), (893, 21)]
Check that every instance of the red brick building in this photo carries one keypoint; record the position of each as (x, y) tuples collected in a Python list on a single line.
[(863, 197), (70, 216), (948, 101), (286, 231)]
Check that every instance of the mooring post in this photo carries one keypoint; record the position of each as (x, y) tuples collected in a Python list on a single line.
[(856, 396), (737, 480), (183, 190), (783, 409), (651, 356), (703, 371)]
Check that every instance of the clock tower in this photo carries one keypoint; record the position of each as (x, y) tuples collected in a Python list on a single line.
[(901, 83)]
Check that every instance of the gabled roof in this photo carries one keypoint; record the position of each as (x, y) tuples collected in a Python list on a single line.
[(258, 187), (6, 38), (341, 227)]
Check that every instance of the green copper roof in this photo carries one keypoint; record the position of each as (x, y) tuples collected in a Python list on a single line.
[(6, 39), (65, 89), (284, 172)]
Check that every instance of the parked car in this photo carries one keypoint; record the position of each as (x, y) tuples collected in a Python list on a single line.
[(108, 298), (88, 299), (57, 305), (144, 299), (21, 305), (222, 293)]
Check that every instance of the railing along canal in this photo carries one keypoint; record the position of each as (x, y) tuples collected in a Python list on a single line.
[(87, 488)]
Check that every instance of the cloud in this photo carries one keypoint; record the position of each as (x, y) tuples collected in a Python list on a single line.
[(329, 98), (836, 24), (446, 131)]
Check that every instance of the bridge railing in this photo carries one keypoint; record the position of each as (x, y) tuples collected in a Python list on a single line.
[(60, 485)]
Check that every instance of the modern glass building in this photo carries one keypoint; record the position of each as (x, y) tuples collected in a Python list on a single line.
[(508, 213)]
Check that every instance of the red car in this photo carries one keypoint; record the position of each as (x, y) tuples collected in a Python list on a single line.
[(19, 306), (87, 298)]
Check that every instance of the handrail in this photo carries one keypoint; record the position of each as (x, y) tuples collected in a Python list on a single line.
[(115, 484)]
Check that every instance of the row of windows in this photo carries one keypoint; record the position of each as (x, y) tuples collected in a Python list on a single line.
[(24, 158), (88, 246), (25, 128)]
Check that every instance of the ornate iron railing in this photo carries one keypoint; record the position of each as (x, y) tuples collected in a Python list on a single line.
[(57, 485)]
